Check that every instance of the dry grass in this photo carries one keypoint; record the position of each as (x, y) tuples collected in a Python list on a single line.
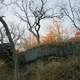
[(60, 69)]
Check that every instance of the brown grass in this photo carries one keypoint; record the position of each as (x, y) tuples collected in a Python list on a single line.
[(68, 69)]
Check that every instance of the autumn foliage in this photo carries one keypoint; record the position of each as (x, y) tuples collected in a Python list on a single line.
[(49, 38), (75, 38), (28, 42)]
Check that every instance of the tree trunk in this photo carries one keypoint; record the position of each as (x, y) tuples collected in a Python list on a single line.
[(38, 38), (1, 37), (12, 45), (36, 35)]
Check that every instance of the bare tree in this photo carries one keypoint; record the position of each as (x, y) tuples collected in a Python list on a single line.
[(7, 31), (28, 42), (17, 32), (32, 14), (12, 45), (1, 36), (59, 30), (10, 39), (72, 13)]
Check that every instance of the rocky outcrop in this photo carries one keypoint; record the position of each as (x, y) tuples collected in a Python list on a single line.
[(62, 50)]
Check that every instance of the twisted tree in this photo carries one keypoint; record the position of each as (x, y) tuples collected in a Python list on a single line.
[(11, 43), (33, 12), (72, 12)]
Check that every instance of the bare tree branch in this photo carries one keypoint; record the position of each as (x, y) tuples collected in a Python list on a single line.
[(70, 13), (33, 19)]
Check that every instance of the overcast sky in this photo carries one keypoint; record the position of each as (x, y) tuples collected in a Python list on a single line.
[(10, 17)]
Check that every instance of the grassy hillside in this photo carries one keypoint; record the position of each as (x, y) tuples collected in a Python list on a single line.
[(51, 69), (54, 67)]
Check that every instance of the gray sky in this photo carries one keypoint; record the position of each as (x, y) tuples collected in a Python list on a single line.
[(10, 17)]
